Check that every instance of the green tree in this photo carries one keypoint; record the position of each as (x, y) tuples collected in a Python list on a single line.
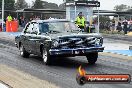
[(62, 6), (21, 4), (121, 7), (9, 4), (52, 6), (38, 4), (102, 19)]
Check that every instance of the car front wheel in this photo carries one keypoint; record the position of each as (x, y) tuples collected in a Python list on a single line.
[(92, 57), (23, 52), (46, 57)]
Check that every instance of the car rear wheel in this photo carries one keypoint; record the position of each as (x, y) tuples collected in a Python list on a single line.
[(23, 52), (46, 57), (92, 57)]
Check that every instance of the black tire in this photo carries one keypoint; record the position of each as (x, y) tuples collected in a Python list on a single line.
[(46, 57), (23, 52), (92, 57)]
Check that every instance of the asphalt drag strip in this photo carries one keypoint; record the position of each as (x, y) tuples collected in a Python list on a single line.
[(63, 72), (19, 79)]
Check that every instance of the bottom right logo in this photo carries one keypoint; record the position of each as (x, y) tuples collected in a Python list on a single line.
[(83, 78)]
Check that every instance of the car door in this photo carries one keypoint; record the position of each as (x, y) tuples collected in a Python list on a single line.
[(35, 38), (27, 36), (41, 37)]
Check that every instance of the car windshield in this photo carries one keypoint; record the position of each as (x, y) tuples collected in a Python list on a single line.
[(58, 27)]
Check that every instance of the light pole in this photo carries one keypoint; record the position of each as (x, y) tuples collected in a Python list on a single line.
[(2, 13), (98, 20), (75, 8)]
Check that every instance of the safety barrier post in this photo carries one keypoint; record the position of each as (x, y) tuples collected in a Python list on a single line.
[(12, 26)]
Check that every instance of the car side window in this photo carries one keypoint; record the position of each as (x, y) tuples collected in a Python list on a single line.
[(35, 29), (26, 27), (43, 27), (29, 28)]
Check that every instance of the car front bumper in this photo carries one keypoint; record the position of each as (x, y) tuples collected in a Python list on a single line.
[(75, 51)]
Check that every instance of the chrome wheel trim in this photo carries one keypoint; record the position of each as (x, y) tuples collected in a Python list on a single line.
[(21, 50), (45, 56)]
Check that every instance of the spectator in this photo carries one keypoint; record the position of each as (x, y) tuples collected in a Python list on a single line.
[(107, 26), (20, 21), (125, 23), (0, 27), (101, 26), (31, 19), (130, 27), (9, 18), (23, 22), (87, 26), (37, 18), (113, 26), (119, 27), (80, 21), (92, 28), (5, 20)]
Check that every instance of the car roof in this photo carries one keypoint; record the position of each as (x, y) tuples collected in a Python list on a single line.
[(51, 20)]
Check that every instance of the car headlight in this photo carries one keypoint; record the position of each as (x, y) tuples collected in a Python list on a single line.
[(55, 43), (99, 41)]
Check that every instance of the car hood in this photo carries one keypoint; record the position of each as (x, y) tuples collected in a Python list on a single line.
[(73, 35)]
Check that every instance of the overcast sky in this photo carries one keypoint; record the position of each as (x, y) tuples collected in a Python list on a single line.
[(105, 4)]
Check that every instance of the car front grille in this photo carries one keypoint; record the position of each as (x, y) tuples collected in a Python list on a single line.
[(77, 42)]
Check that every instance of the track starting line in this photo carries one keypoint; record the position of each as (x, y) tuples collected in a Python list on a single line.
[(121, 52)]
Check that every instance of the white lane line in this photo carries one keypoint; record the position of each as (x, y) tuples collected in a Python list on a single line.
[(3, 86)]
